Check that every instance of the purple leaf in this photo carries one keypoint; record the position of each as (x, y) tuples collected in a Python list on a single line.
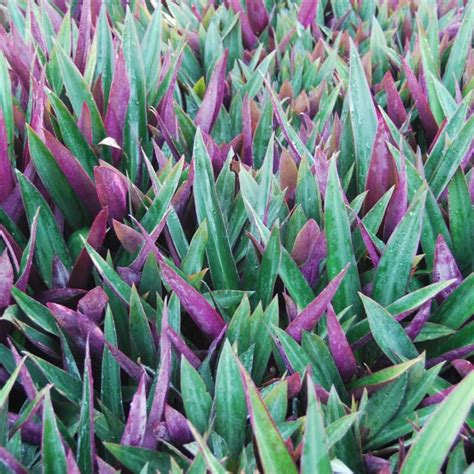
[(309, 250), (118, 104), (162, 383), (177, 426), (82, 269), (419, 320), (166, 108), (454, 354), (395, 108), (376, 465), (130, 239), (74, 172), (78, 327), (84, 37), (463, 367), (339, 346), (25, 377), (7, 182), (258, 15), (93, 304), (85, 123), (149, 244), (308, 318), (211, 104), (182, 348), (30, 430), (445, 268), (421, 103), (22, 281), (60, 273), (10, 463), (382, 173), (248, 36), (6, 279), (105, 468), (134, 432), (307, 12), (71, 464), (398, 204), (112, 191), (202, 313)]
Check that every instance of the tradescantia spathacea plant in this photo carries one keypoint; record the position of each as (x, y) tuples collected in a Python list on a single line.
[(236, 236)]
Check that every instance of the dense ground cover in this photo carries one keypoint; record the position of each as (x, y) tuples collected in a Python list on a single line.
[(236, 236)]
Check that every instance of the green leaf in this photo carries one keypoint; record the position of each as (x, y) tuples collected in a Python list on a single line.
[(67, 385), (53, 454), (111, 387), (269, 268), (339, 244), (456, 309), (72, 136), (140, 331), (229, 401), (8, 385), (49, 241), (135, 135), (196, 400), (213, 466), (383, 376), (388, 333), (85, 444), (393, 270), (432, 444), (383, 405), (134, 458), (56, 183), (78, 93), (460, 49), (219, 255), (272, 450), (315, 456), (362, 115), (452, 158), (461, 215)]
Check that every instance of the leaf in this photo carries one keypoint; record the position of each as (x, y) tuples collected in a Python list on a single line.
[(460, 50), (134, 458), (49, 241), (362, 115), (219, 255), (78, 93), (196, 400), (8, 385), (307, 319), (393, 272), (269, 268), (272, 451), (339, 244), (53, 454), (135, 134), (140, 331), (315, 455), (432, 444), (56, 182), (382, 406), (203, 314), (229, 402), (134, 432), (388, 333), (85, 445)]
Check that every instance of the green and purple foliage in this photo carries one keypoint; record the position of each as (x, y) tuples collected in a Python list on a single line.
[(236, 236)]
